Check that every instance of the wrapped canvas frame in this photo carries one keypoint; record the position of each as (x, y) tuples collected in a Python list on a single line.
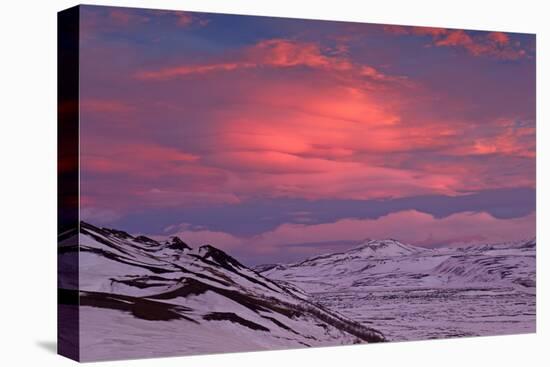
[(68, 180), (199, 296)]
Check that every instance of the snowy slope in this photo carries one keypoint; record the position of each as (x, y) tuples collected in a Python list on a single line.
[(412, 293), (160, 298), (390, 263)]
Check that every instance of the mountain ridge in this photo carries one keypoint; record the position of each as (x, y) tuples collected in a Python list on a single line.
[(203, 290), (424, 293)]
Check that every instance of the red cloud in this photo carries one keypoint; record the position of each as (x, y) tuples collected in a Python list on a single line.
[(508, 138), (349, 126), (168, 73), (511, 140), (430, 31), (285, 53), (456, 38), (283, 118), (499, 38), (276, 53), (494, 44)]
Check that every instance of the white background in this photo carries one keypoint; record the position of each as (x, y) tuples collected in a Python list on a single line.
[(28, 181)]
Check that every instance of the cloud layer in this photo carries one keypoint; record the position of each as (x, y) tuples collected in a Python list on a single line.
[(488, 44), (292, 240), (190, 112)]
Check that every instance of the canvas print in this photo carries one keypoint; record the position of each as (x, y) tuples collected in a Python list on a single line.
[(234, 183)]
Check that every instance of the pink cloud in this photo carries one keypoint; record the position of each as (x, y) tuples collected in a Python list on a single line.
[(122, 17), (147, 176), (183, 19), (285, 118), (493, 44), (499, 38), (411, 227), (509, 140), (423, 31), (127, 157), (191, 69), (456, 38), (276, 53), (286, 53), (419, 227), (283, 174), (349, 126)]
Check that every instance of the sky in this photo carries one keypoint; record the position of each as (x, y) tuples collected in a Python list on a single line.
[(276, 139)]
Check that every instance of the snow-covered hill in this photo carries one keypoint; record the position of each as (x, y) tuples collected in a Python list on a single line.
[(390, 263), (416, 293), (139, 295)]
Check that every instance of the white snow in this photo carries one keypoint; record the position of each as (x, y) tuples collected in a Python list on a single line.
[(221, 307), (412, 293)]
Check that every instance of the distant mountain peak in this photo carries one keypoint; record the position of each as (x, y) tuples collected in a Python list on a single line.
[(368, 249), (386, 247), (175, 243), (386, 242), (209, 252)]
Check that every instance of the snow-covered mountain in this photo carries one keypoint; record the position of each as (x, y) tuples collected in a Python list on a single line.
[(140, 295), (390, 263), (164, 297), (416, 293)]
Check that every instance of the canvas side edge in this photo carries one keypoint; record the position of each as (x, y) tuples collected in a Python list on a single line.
[(68, 341)]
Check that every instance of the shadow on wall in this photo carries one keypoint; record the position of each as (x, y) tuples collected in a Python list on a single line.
[(48, 345)]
